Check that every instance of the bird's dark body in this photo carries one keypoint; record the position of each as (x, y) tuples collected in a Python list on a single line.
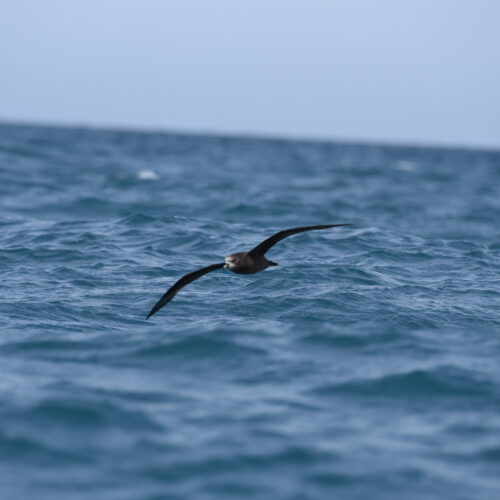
[(250, 262), (247, 264)]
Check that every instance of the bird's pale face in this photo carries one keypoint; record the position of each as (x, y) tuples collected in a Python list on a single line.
[(231, 262)]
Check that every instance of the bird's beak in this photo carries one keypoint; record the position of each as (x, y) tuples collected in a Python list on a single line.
[(226, 266)]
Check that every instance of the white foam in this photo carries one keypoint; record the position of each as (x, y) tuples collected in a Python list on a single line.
[(147, 175)]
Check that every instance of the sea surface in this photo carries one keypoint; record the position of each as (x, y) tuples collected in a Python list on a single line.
[(365, 366)]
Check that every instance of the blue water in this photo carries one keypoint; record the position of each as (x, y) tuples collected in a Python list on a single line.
[(366, 365)]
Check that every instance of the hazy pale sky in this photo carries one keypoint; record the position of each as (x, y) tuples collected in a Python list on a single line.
[(425, 71)]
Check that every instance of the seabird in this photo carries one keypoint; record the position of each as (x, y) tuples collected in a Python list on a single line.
[(250, 262)]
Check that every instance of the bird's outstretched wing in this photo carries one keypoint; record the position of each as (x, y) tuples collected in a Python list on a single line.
[(263, 247), (185, 280)]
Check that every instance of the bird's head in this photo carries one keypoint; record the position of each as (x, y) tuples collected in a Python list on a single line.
[(231, 261)]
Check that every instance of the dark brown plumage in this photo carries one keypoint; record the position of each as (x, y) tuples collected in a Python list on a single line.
[(250, 262)]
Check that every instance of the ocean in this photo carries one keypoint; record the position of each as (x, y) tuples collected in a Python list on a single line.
[(365, 365)]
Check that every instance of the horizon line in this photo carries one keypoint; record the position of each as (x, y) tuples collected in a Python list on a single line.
[(250, 135)]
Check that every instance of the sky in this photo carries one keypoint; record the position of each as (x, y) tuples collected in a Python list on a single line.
[(421, 71)]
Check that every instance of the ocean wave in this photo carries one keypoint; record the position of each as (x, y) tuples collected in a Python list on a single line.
[(443, 381)]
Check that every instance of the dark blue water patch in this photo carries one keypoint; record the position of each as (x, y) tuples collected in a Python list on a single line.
[(492, 454), (418, 383), (19, 450), (202, 352), (53, 413), (365, 365)]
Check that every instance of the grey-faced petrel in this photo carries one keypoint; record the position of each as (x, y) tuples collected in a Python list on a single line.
[(250, 262)]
